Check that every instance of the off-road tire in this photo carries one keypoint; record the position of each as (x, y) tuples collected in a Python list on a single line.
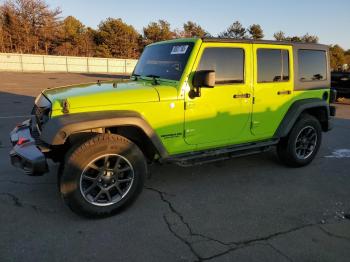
[(287, 147), (77, 161), (70, 151)]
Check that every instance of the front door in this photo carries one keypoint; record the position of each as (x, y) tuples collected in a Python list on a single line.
[(221, 114)]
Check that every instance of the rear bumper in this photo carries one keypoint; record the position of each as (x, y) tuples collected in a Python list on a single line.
[(26, 154)]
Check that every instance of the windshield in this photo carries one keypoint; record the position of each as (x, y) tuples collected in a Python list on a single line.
[(164, 60)]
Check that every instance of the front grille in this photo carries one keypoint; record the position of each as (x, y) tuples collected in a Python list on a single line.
[(36, 136)]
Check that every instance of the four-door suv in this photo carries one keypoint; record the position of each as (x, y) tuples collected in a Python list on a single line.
[(189, 101)]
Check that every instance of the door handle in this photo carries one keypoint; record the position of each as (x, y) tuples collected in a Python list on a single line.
[(241, 96), (285, 92)]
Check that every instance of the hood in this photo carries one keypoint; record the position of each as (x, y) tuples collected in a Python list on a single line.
[(104, 94)]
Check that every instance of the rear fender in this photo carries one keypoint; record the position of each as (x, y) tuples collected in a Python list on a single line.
[(314, 106)]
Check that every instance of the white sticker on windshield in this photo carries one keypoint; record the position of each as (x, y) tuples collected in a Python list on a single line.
[(179, 49)]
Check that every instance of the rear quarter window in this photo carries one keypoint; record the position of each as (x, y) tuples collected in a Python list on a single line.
[(312, 65)]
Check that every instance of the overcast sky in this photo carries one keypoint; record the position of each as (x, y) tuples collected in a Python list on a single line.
[(330, 20)]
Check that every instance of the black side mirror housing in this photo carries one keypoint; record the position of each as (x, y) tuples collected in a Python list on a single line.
[(204, 78)]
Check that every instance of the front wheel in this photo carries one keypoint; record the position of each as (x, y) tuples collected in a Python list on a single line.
[(103, 176), (300, 147)]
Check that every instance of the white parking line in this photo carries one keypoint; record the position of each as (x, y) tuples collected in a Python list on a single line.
[(9, 117), (340, 153)]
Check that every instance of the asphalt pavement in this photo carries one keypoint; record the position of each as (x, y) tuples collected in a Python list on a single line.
[(244, 209)]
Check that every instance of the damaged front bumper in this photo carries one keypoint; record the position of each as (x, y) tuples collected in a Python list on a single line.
[(27, 153)]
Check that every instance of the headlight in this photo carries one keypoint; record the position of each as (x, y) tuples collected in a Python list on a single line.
[(42, 101), (42, 110)]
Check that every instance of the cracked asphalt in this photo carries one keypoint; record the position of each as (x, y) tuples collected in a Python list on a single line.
[(245, 209)]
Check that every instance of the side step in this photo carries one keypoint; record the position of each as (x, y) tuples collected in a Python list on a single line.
[(219, 154)]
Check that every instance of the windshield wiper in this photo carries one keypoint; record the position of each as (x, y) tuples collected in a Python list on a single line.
[(136, 76), (155, 79)]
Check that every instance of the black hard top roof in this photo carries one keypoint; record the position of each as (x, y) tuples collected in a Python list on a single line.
[(272, 42)]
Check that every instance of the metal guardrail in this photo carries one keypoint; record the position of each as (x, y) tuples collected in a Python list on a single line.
[(14, 62)]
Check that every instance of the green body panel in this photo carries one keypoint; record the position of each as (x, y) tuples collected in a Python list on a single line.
[(94, 95), (216, 118), (183, 124)]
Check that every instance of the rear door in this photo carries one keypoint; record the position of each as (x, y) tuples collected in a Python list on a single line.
[(273, 87)]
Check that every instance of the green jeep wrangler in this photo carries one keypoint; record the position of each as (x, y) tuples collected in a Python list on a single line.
[(188, 101)]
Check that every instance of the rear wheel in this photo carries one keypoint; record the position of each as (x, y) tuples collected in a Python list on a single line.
[(103, 176), (300, 147)]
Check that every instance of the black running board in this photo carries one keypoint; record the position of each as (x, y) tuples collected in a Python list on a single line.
[(219, 154)]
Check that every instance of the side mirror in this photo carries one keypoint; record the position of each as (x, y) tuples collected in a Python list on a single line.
[(204, 78)]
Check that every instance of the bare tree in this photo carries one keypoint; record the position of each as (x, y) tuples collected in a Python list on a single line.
[(279, 36), (30, 26), (11, 28), (2, 49)]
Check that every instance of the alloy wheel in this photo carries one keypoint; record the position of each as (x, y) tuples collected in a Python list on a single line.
[(306, 142), (106, 180)]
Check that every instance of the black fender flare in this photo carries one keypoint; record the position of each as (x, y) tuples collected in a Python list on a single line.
[(58, 129), (296, 109)]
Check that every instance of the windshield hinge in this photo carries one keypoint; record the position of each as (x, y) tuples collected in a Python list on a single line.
[(188, 105)]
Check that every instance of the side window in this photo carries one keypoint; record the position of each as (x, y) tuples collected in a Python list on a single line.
[(312, 65), (228, 64), (273, 65)]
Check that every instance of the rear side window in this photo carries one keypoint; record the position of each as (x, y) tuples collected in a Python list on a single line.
[(273, 65), (228, 64), (312, 65)]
